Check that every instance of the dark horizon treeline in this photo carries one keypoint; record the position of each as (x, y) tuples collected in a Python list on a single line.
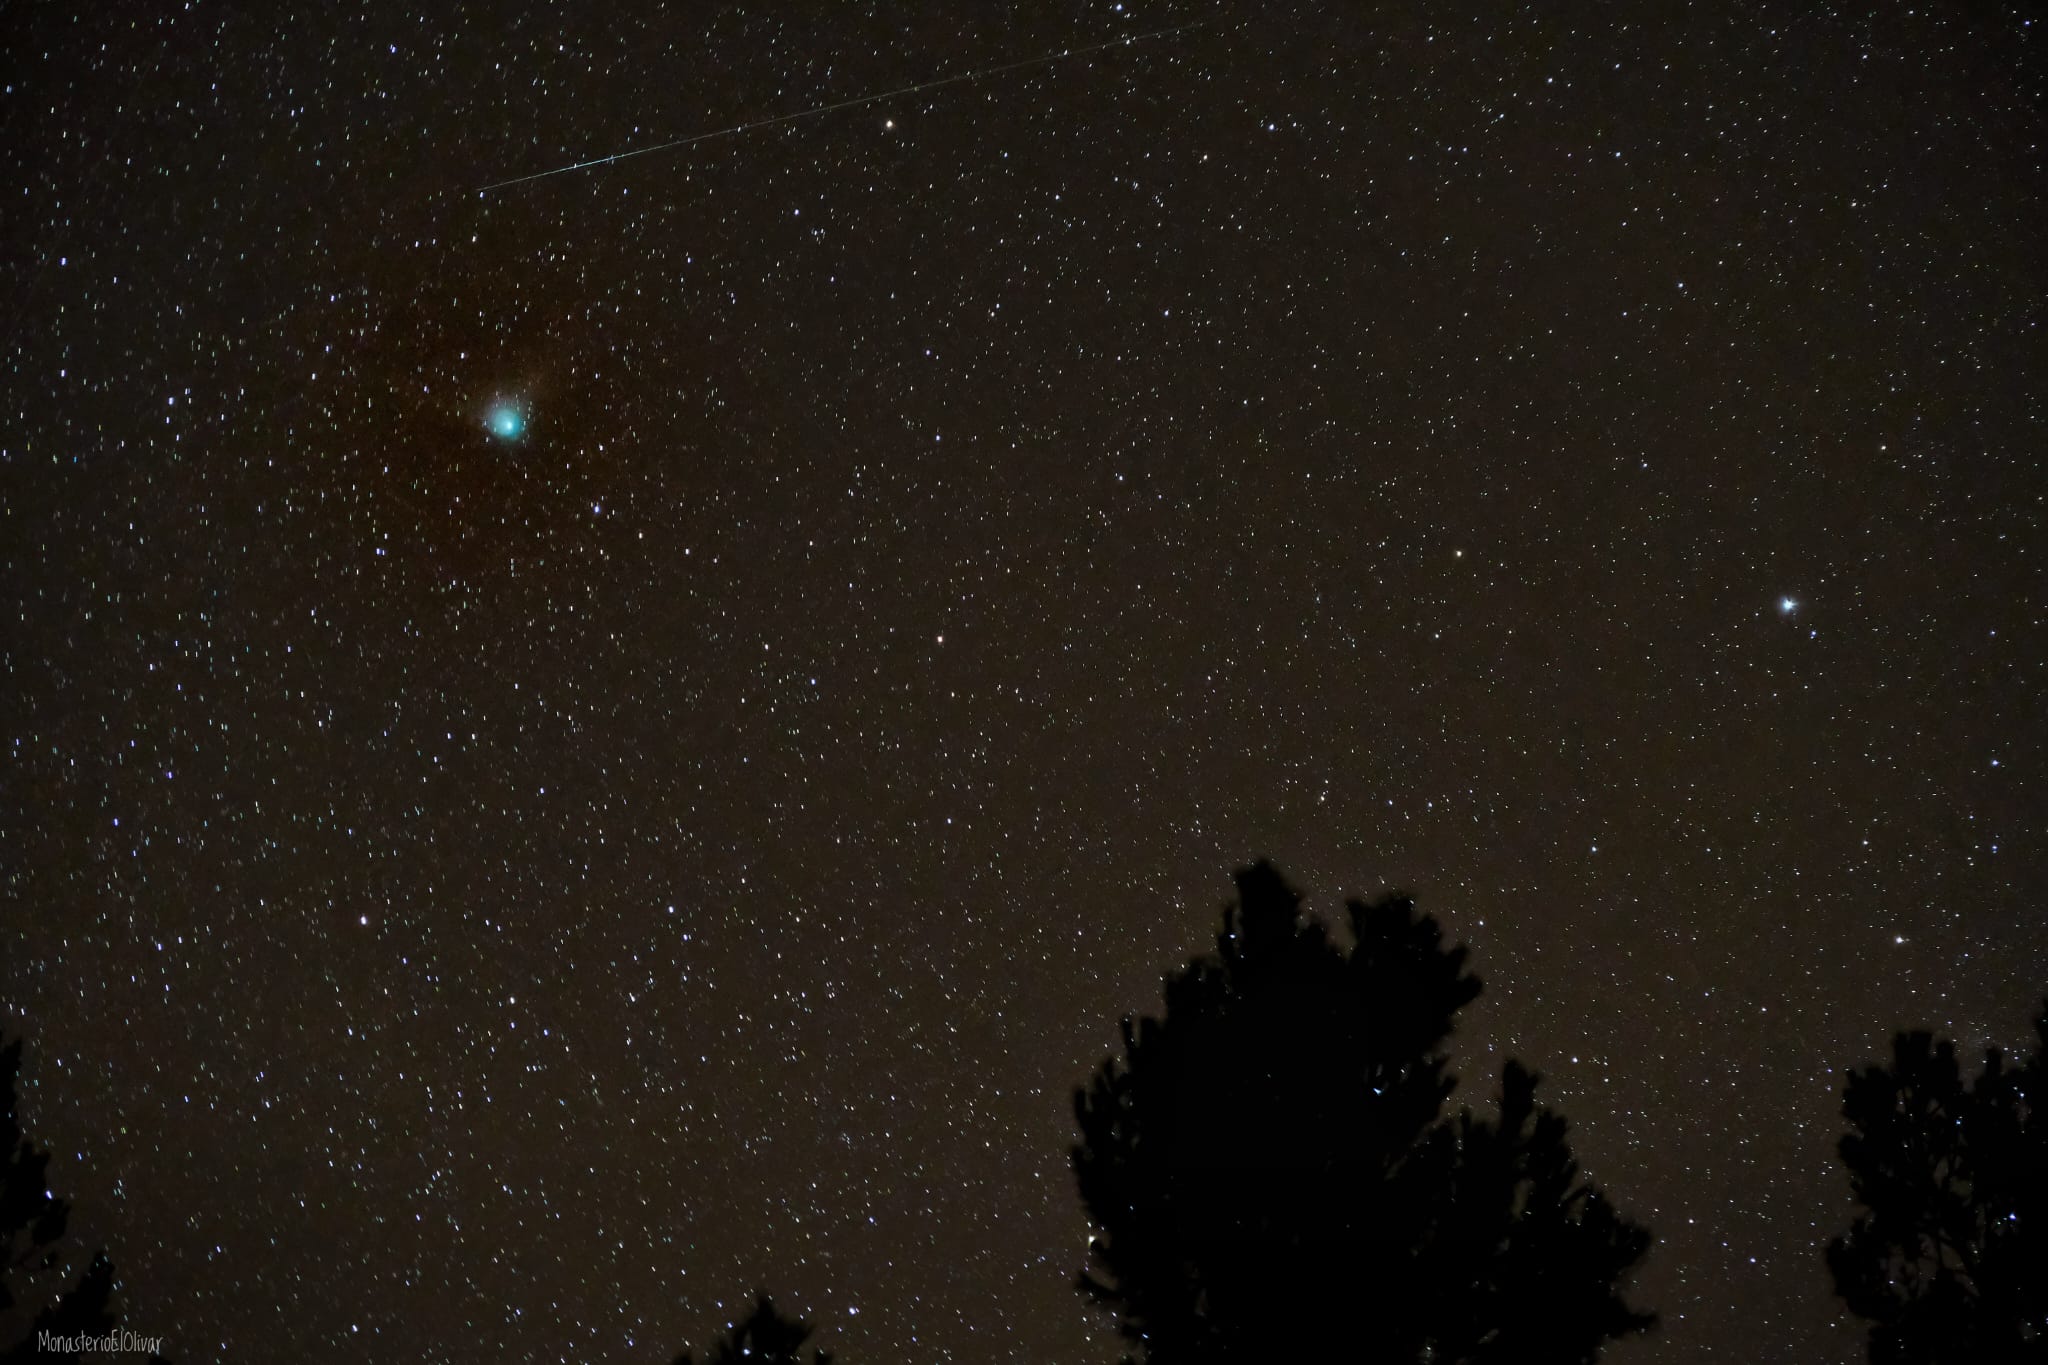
[(33, 1274), (1275, 1144), (1271, 1174)]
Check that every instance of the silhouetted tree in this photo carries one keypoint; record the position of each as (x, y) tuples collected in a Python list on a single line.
[(1271, 1176), (1949, 1260), (32, 1220), (764, 1338)]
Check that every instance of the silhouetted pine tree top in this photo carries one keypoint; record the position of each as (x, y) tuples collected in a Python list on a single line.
[(32, 1225), (1271, 1174), (764, 1337), (1949, 1259)]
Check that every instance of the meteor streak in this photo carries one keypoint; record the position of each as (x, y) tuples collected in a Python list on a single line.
[(834, 108)]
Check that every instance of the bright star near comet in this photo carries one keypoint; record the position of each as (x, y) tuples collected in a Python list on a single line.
[(506, 422)]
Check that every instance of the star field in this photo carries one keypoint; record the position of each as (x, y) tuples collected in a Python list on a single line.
[(578, 751)]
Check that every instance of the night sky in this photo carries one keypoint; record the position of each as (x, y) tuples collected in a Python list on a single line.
[(577, 751)]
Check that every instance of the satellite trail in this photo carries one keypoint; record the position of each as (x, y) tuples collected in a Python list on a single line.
[(824, 109)]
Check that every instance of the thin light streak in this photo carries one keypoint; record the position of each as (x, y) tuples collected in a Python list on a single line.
[(834, 108)]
